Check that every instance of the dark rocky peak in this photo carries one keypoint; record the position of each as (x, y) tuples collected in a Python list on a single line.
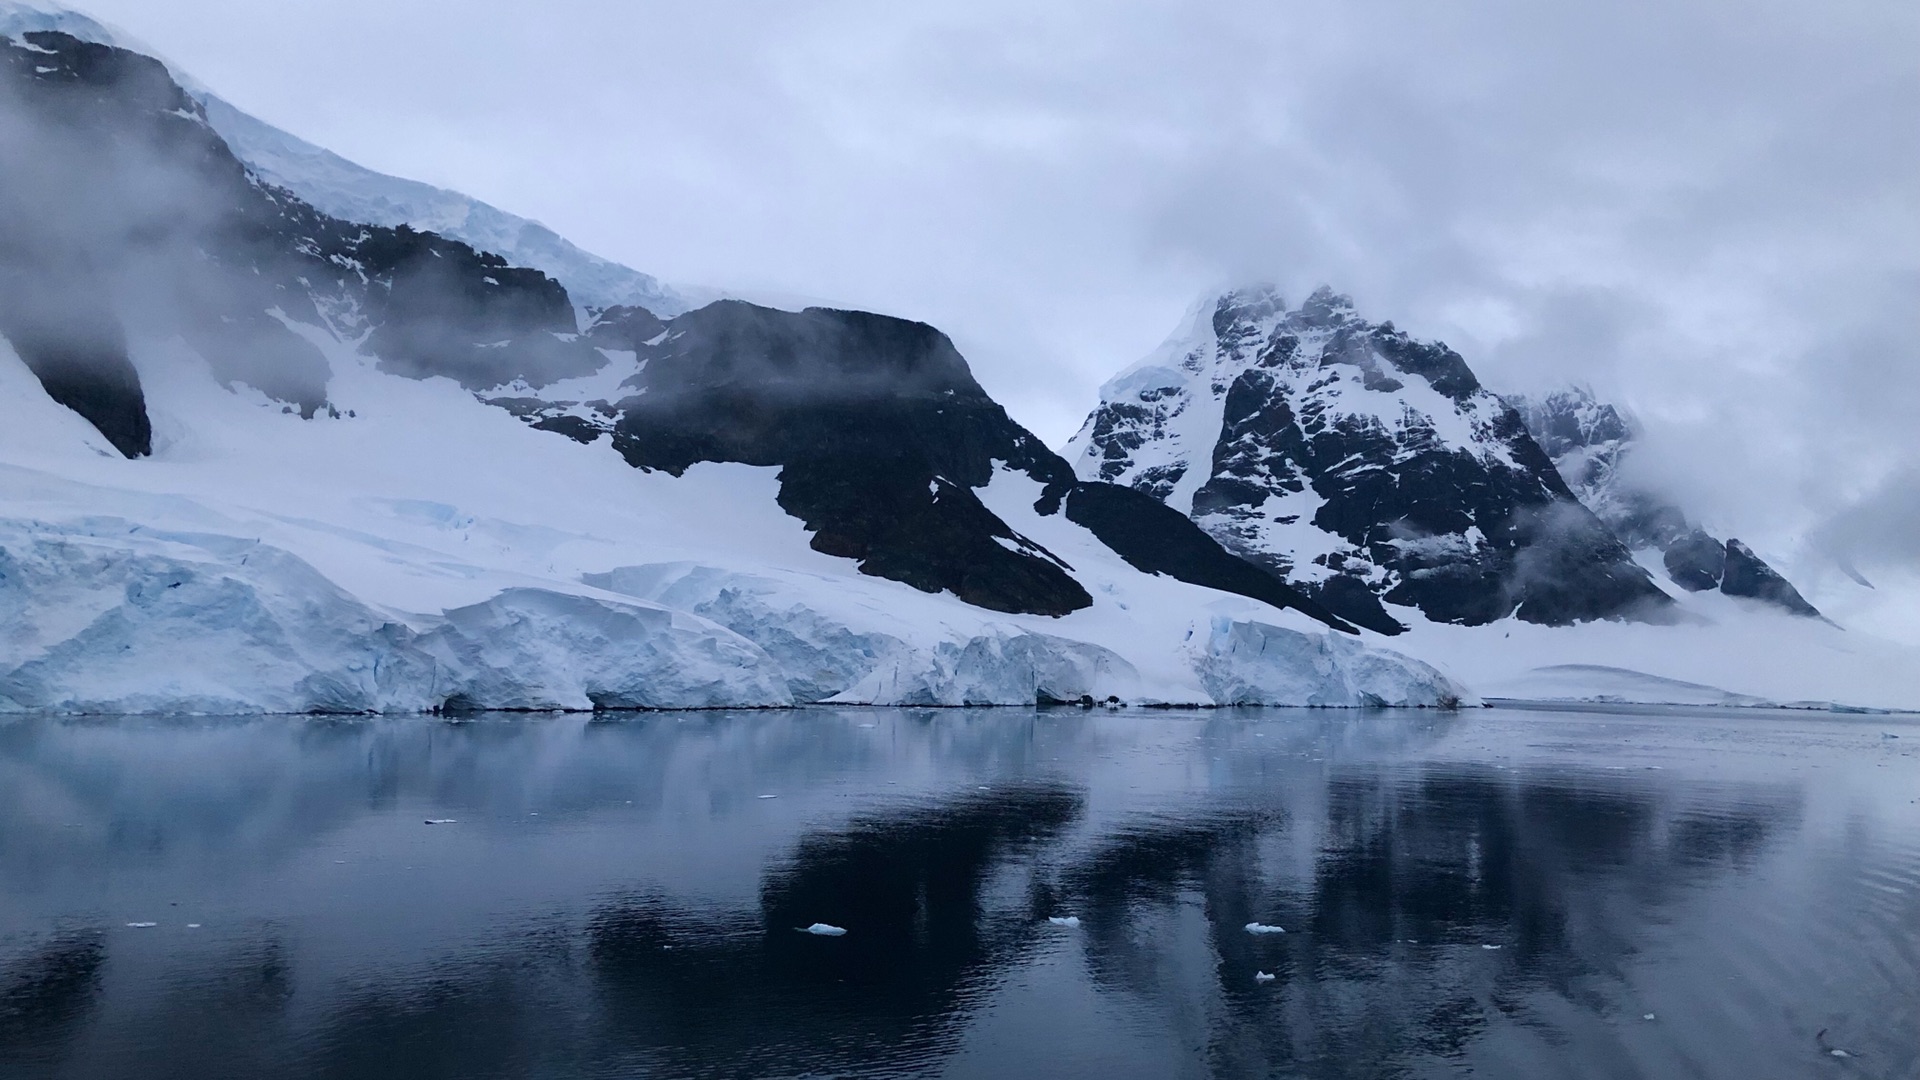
[(1241, 317), (101, 78), (1748, 575), (1324, 310), (1572, 419), (1700, 563), (1444, 369), (819, 354), (627, 327), (442, 308), (1255, 322)]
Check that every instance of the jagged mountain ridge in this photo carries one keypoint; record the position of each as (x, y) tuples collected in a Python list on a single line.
[(1588, 441), (1367, 466)]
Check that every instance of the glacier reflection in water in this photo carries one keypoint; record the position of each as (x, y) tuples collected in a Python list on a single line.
[(1502, 893)]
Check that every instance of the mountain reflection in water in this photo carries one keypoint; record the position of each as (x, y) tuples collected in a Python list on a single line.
[(1499, 893)]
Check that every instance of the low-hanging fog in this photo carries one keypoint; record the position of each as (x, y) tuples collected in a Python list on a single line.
[(1708, 211)]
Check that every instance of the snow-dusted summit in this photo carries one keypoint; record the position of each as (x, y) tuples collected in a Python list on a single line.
[(1369, 467)]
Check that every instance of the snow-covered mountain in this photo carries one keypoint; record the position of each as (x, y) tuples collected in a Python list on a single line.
[(256, 456), (1588, 441), (1364, 464), (1378, 474), (338, 187)]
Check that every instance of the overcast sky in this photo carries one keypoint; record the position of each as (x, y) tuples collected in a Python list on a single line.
[(1708, 211)]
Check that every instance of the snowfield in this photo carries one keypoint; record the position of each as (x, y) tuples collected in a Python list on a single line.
[(428, 551)]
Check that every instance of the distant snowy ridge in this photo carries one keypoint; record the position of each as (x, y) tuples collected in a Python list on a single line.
[(1589, 441), (352, 192)]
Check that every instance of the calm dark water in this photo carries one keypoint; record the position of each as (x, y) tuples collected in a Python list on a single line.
[(1497, 893)]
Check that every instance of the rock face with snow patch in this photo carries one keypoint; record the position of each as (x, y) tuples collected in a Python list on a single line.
[(883, 436), (1589, 441), (1367, 466)]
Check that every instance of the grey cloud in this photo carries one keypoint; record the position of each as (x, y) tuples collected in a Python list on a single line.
[(1705, 209)]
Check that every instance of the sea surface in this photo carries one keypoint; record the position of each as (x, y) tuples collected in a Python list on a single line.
[(1491, 893)]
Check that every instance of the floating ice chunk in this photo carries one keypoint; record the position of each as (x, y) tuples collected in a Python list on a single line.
[(1263, 976), (1264, 928), (821, 929), (1069, 921), (443, 821), (193, 926), (1820, 1038), (1492, 947), (139, 925), (1649, 1016)]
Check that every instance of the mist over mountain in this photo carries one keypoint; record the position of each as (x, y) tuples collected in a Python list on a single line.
[(1589, 442)]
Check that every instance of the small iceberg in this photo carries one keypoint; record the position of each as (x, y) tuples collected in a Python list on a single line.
[(1263, 976), (1072, 922), (821, 929), (1264, 928), (1492, 947)]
